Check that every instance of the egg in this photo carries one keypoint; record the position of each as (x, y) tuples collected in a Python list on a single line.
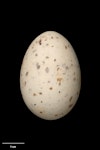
[(50, 76)]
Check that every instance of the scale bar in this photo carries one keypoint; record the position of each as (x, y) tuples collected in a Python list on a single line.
[(13, 142)]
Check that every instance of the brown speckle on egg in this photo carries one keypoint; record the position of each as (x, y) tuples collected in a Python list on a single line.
[(58, 68), (64, 73), (34, 51), (47, 44), (40, 42), (26, 73), (37, 65), (68, 45), (36, 54), (57, 65), (59, 80), (48, 81), (40, 93), (74, 79), (43, 62), (25, 83), (51, 37), (72, 65), (54, 59), (45, 39), (57, 37), (56, 115), (65, 47), (34, 104), (41, 101), (71, 98), (52, 45), (59, 91), (66, 67), (50, 88), (41, 112), (46, 69), (70, 105), (34, 94), (47, 57), (32, 47)]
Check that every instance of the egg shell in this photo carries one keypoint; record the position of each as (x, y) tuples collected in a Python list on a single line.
[(50, 76)]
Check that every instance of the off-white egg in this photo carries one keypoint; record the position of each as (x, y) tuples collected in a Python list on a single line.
[(50, 77)]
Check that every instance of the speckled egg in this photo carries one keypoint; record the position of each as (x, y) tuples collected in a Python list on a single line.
[(50, 77)]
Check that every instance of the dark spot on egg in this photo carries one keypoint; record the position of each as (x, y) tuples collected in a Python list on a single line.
[(74, 78), (58, 68), (34, 94), (56, 115), (48, 81), (40, 42), (66, 67), (36, 54), (37, 65), (47, 57), (40, 93), (34, 51), (68, 45), (54, 59), (26, 73), (70, 105), (50, 88), (59, 80), (59, 92), (64, 73), (32, 47), (47, 44), (25, 83), (71, 98), (41, 112), (52, 45), (51, 37), (46, 69), (57, 37), (34, 104), (43, 62), (41, 101), (65, 47), (72, 65)]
